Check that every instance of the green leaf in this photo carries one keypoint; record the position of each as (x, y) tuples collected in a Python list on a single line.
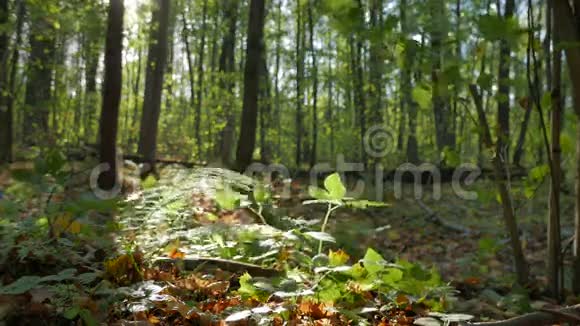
[(538, 173), (227, 199), (247, 289), (485, 81), (88, 318), (497, 28), (392, 276), (373, 261), (321, 236), (337, 258), (261, 194), (422, 96), (149, 182), (546, 100), (318, 193), (72, 313), (65, 275), (335, 187), (21, 286)]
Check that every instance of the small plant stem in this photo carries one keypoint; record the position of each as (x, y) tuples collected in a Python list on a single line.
[(329, 211)]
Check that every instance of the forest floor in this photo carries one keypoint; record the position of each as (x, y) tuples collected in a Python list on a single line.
[(182, 250)]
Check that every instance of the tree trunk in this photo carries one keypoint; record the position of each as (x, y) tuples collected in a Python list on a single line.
[(111, 96), (254, 51), (376, 65), (5, 115), (444, 135), (136, 89), (190, 69), (314, 149), (567, 29), (299, 77), (503, 106), (39, 80), (519, 151), (499, 165), (156, 61), (200, 75), (277, 79), (554, 237), (330, 109), (265, 109), (407, 86), (227, 68)]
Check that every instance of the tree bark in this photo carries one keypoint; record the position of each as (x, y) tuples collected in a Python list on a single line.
[(254, 51), (311, 25), (299, 76), (554, 236), (444, 134), (156, 62), (5, 115), (499, 165), (227, 68), (503, 106), (519, 151), (407, 102), (39, 80), (567, 29), (111, 96), (200, 75)]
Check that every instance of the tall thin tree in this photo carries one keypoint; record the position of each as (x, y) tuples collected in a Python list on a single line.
[(156, 63), (5, 115), (254, 50), (111, 95)]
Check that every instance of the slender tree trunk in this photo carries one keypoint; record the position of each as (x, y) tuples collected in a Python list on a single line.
[(5, 115), (503, 106), (156, 61), (311, 24), (200, 76), (11, 87), (376, 65), (330, 109), (554, 236), (91, 94), (407, 87), (445, 136), (227, 84), (265, 108), (567, 29), (136, 90), (519, 151), (521, 265), (190, 69), (39, 81), (299, 77), (254, 51), (170, 60), (277, 79), (111, 96), (361, 99)]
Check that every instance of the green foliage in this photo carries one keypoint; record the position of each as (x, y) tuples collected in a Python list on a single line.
[(496, 28), (422, 96)]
